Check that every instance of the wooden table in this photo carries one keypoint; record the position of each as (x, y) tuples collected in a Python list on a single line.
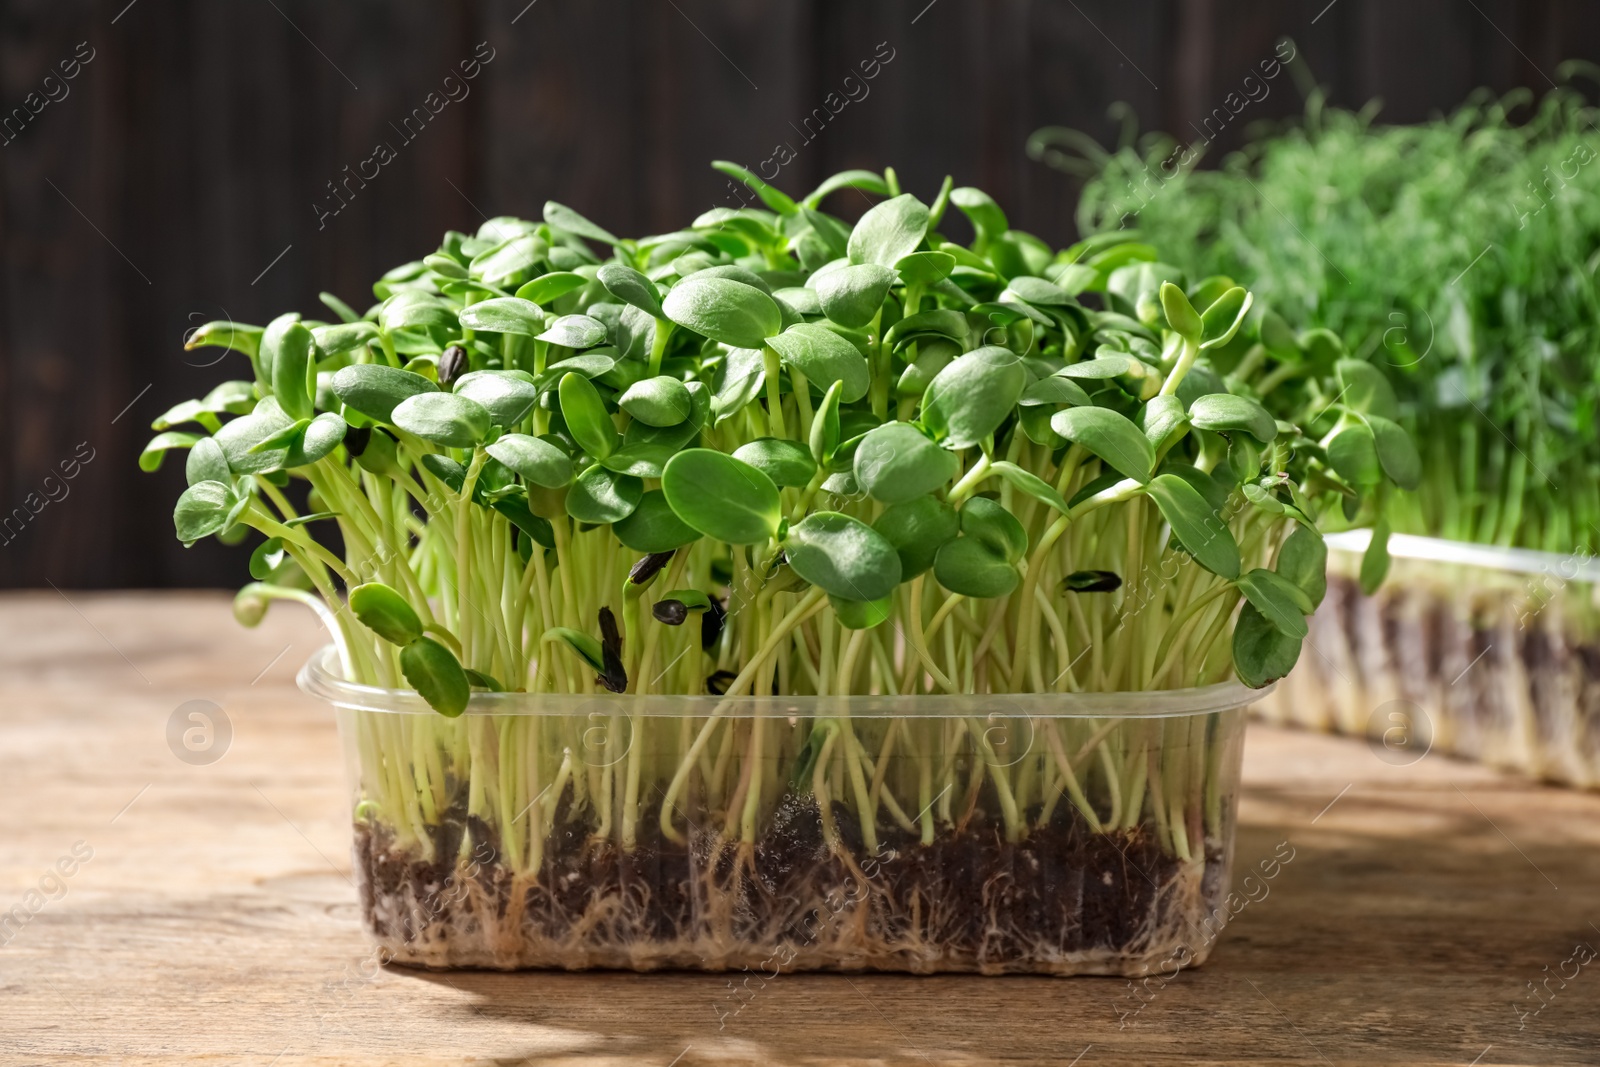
[(215, 921)]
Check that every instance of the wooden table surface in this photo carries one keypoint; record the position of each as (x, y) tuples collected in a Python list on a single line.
[(215, 921)]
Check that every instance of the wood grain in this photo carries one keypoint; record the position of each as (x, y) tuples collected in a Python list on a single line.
[(215, 922)]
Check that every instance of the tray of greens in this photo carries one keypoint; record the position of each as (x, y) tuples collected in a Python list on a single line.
[(1459, 255), (785, 593)]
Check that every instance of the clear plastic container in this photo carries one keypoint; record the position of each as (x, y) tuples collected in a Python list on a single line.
[(1054, 834), (1483, 652)]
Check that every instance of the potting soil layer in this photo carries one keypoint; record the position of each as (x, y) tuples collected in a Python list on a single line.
[(1064, 900)]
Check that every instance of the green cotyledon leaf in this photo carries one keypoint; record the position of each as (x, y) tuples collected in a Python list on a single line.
[(385, 612), (724, 310), (897, 462), (969, 399), (1197, 527), (436, 675), (889, 231), (824, 358), (1114, 438), (843, 556), (1262, 653), (722, 497)]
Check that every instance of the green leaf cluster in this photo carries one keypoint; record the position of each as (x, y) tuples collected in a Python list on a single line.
[(1455, 258), (823, 433)]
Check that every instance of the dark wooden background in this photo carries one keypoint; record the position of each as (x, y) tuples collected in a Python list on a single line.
[(176, 181)]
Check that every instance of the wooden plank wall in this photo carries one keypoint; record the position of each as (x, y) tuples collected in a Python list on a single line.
[(175, 178)]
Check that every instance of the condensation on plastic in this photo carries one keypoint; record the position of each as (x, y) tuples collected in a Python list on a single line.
[(527, 832), (1488, 653)]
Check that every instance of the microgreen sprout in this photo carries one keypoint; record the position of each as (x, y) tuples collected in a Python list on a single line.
[(1458, 254), (867, 460)]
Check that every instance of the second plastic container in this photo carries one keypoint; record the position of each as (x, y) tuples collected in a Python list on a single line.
[(1053, 834), (1484, 652)]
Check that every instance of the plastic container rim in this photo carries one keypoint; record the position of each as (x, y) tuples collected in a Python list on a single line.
[(1569, 567), (320, 677)]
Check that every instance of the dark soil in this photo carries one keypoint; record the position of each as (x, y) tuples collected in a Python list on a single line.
[(1056, 902)]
